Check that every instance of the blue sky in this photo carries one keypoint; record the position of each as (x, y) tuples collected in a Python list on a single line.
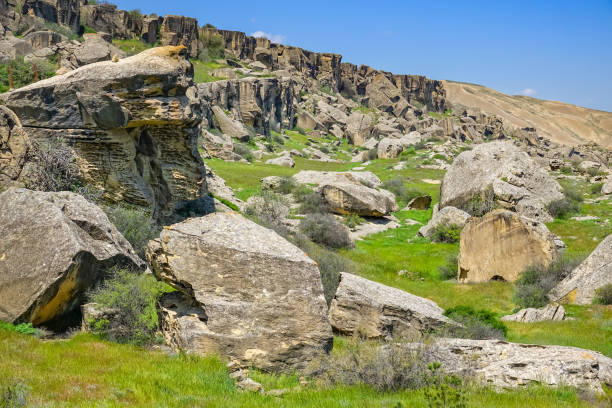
[(559, 50)]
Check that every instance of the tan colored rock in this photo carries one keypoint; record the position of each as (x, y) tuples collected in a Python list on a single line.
[(14, 146), (283, 161), (133, 124), (180, 30), (420, 203), (54, 247), (229, 126), (447, 216), (501, 245), (317, 178), (243, 292), (359, 128), (594, 272), (531, 315), (377, 311), (351, 198)]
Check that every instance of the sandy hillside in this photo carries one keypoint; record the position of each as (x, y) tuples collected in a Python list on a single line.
[(560, 122)]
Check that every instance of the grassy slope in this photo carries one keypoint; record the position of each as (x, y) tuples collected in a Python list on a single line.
[(87, 372)]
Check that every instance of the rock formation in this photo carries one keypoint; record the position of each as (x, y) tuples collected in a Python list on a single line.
[(501, 245), (133, 124), (243, 291), (499, 174), (448, 216), (594, 272), (531, 315), (511, 365), (377, 311), (352, 198), (64, 12), (106, 18), (179, 30), (54, 247), (14, 145)]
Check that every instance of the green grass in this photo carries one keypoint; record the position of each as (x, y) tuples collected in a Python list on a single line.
[(202, 71), (87, 372), (132, 46)]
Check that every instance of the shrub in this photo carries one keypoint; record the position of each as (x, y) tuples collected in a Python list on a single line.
[(53, 167), (391, 367), (23, 72), (570, 204), (353, 220), (135, 224), (324, 149), (396, 186), (135, 297), (603, 295), (535, 282), (13, 395), (268, 207), (276, 138), (594, 171), (312, 202), (421, 145), (595, 188), (446, 233), (23, 328), (478, 324), (444, 391), (212, 46), (244, 151), (286, 185), (324, 229), (449, 271)]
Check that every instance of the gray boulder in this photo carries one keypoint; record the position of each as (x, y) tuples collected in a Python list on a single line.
[(14, 146), (377, 311), (243, 291), (316, 178), (446, 216), (511, 365), (230, 126), (359, 128), (499, 172), (283, 161), (351, 198), (594, 272), (607, 186), (54, 247), (531, 315)]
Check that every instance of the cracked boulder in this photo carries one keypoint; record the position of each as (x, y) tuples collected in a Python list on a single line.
[(498, 174), (133, 124), (243, 292), (54, 247), (378, 311)]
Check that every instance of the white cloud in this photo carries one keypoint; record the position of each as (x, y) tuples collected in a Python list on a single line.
[(275, 38), (528, 92)]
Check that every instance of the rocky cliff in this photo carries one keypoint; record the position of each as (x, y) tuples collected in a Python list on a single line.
[(134, 125)]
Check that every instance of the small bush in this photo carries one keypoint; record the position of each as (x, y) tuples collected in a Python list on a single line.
[(391, 367), (594, 171), (22, 328), (535, 282), (286, 185), (312, 202), (23, 72), (446, 233), (324, 149), (449, 271), (212, 46), (244, 151), (396, 186), (324, 229), (421, 145), (13, 395), (570, 204), (276, 138), (478, 324), (353, 220), (268, 207), (603, 295), (444, 391), (135, 224), (53, 167), (595, 188), (481, 203), (135, 297)]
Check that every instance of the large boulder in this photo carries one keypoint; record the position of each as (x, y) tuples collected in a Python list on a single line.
[(283, 161), (501, 245), (607, 186), (359, 128), (14, 145), (93, 49), (54, 247), (374, 310), (316, 178), (352, 198), (502, 174), (229, 126), (594, 272), (511, 365), (134, 126), (448, 216), (12, 48), (243, 291)]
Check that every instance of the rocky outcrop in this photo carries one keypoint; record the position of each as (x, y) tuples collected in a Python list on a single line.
[(374, 310), (327, 177), (501, 245), (594, 272), (499, 174), (510, 365), (264, 104), (351, 198), (64, 12), (216, 186), (243, 292), (229, 126), (14, 145), (359, 128), (12, 48), (94, 48), (283, 161), (106, 18), (179, 30), (448, 216), (133, 124), (531, 315), (54, 247), (44, 39)]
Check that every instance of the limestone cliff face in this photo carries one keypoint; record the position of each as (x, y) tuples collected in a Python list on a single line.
[(179, 30), (134, 126), (64, 12), (262, 103), (107, 18)]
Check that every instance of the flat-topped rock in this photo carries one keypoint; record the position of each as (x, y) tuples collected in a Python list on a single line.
[(532, 315)]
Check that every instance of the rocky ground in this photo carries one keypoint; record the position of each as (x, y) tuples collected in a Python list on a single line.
[(283, 215)]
